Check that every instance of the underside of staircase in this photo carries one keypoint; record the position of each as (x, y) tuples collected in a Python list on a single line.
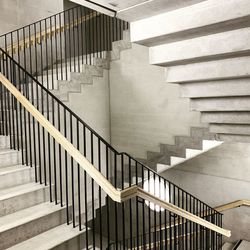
[(208, 58)]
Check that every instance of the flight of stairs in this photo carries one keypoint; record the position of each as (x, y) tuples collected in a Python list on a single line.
[(82, 73), (185, 148), (27, 219), (209, 56)]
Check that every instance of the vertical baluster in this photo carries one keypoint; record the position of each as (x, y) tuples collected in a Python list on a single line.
[(54, 152), (66, 167), (123, 205), (107, 173), (100, 192), (49, 149), (130, 204), (116, 220), (85, 188), (61, 30), (137, 208), (149, 210), (70, 45), (72, 174), (79, 22), (66, 47), (56, 43), (74, 25), (143, 211), (93, 189), (155, 226), (79, 178), (51, 52), (46, 53)]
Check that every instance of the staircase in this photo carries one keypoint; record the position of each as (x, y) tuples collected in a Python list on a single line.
[(35, 223), (79, 192), (185, 148), (208, 56)]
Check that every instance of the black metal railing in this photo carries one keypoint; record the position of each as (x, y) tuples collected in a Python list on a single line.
[(53, 47), (105, 223)]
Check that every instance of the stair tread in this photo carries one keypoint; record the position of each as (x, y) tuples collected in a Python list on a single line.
[(20, 189), (49, 239), (26, 215), (12, 169), (7, 151)]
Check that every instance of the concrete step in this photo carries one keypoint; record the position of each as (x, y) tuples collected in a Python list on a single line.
[(236, 87), (244, 245), (9, 157), (12, 199), (226, 117), (206, 48), (234, 138), (54, 238), (29, 222), (232, 68), (16, 175), (235, 129), (198, 21), (221, 104)]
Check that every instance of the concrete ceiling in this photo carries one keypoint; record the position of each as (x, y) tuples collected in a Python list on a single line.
[(145, 8)]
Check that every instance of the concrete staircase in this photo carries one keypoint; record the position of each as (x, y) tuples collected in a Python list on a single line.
[(185, 148), (209, 56), (82, 73), (35, 223)]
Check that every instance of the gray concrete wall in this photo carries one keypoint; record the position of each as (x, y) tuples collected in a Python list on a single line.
[(145, 110), (217, 177), (17, 13)]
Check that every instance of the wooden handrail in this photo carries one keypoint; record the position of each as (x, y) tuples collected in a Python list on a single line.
[(232, 205), (222, 208), (99, 178), (39, 36)]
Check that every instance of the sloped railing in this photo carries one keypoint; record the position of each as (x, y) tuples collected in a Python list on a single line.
[(51, 48), (101, 217)]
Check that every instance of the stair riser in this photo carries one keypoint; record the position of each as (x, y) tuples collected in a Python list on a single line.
[(17, 203), (237, 87), (31, 229), (10, 159), (230, 129), (221, 104), (226, 117), (233, 68), (206, 48), (17, 178)]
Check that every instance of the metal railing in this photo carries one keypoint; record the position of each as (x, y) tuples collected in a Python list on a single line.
[(53, 47), (102, 220)]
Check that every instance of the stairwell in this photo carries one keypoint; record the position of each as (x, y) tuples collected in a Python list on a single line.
[(49, 154)]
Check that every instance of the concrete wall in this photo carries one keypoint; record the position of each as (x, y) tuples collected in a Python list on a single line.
[(145, 110), (217, 177), (17, 13), (92, 104)]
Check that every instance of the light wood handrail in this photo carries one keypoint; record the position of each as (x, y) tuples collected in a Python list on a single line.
[(232, 205), (222, 208), (39, 36), (109, 189)]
